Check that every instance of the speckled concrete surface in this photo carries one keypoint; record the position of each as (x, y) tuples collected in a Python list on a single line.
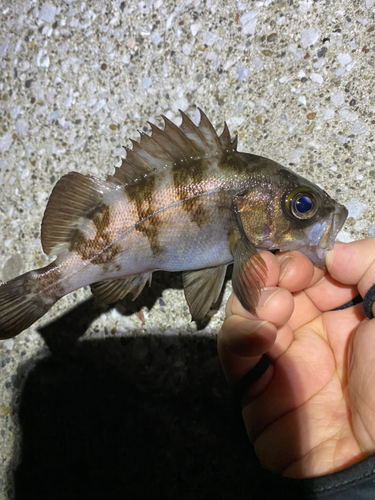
[(293, 79)]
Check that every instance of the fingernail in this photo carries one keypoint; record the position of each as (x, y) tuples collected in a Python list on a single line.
[(329, 259), (252, 326), (329, 254), (284, 264), (266, 295)]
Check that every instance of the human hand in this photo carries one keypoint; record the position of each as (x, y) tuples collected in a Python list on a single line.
[(313, 411)]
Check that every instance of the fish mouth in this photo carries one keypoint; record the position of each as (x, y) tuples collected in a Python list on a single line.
[(337, 221), (321, 237)]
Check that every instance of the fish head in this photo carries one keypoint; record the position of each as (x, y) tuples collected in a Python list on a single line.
[(291, 213)]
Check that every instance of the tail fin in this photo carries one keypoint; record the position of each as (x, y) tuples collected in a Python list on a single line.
[(20, 307)]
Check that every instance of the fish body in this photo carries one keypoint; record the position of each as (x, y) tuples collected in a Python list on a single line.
[(184, 199)]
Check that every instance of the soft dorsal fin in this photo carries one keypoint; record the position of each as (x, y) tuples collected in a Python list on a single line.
[(164, 148), (74, 196)]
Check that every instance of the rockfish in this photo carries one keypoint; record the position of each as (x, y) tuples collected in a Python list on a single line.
[(184, 199)]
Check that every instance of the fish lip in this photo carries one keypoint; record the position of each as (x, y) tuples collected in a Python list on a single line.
[(317, 253), (337, 221)]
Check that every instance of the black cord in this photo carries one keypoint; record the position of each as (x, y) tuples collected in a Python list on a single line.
[(368, 302), (241, 386)]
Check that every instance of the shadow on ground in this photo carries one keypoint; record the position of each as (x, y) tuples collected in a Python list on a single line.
[(65, 331), (130, 418), (98, 423)]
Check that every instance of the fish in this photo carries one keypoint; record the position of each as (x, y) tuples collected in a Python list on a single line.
[(184, 199)]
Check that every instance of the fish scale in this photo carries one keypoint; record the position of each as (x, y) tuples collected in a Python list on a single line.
[(183, 199)]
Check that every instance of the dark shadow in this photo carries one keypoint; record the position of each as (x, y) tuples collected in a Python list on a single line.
[(75, 322), (138, 418), (161, 280)]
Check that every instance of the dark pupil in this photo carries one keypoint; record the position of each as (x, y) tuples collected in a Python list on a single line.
[(303, 204)]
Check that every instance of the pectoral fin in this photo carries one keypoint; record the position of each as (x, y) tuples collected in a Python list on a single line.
[(113, 290), (202, 289), (249, 271)]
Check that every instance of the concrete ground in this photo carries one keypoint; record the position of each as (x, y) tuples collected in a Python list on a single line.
[(95, 403)]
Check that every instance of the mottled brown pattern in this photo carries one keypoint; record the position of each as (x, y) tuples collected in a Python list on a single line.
[(197, 211), (188, 174), (98, 249), (141, 193), (150, 228), (188, 180), (232, 163), (49, 278), (225, 212), (224, 201)]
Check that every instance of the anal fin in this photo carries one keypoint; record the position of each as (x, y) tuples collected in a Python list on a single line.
[(111, 291), (202, 289)]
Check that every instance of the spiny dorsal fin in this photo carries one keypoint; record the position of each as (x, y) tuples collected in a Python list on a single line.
[(74, 196), (164, 148), (226, 140)]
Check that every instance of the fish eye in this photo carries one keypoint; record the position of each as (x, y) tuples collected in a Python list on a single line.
[(303, 204)]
